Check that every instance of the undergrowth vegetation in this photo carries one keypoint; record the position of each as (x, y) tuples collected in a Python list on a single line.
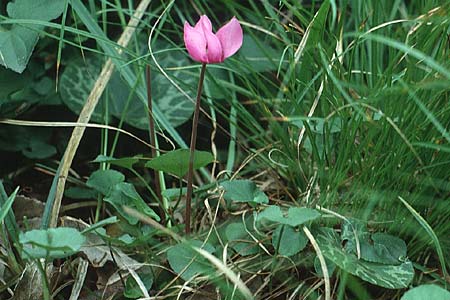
[(322, 158)]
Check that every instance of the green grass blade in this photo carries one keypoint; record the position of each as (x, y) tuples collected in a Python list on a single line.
[(430, 232)]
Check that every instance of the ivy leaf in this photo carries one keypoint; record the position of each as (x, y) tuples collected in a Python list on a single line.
[(295, 215), (17, 43), (177, 162), (103, 181), (388, 276), (124, 193), (426, 291), (240, 240), (51, 243), (243, 191), (188, 263), (287, 241), (124, 162)]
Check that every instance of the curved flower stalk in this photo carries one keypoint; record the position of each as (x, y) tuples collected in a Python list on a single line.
[(208, 48)]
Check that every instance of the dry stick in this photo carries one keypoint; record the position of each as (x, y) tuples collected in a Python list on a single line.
[(88, 109), (151, 127), (187, 216)]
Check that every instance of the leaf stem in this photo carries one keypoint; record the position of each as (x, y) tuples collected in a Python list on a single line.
[(190, 175)]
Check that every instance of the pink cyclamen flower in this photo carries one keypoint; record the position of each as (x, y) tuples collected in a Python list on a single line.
[(206, 47)]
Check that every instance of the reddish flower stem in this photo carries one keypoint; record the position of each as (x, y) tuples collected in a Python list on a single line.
[(190, 175)]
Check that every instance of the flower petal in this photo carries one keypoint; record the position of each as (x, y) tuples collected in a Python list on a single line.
[(214, 50), (230, 36), (195, 42), (204, 23)]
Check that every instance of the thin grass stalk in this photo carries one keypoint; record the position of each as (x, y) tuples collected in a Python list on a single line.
[(151, 129)]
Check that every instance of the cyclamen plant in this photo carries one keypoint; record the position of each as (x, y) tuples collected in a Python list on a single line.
[(206, 47)]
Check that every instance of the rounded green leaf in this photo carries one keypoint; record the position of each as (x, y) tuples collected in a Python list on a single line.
[(426, 291), (188, 263), (287, 241), (243, 191), (104, 180), (51, 243)]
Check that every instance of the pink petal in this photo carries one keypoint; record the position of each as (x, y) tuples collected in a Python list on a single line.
[(205, 23), (214, 50), (230, 36), (195, 42)]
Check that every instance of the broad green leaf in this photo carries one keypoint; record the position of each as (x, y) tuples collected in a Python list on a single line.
[(32, 142), (177, 162), (51, 243), (384, 248), (77, 192), (132, 290), (17, 43), (124, 162), (188, 263), (38, 149), (43, 10), (295, 215), (426, 291), (103, 181), (331, 266), (243, 191), (239, 239), (76, 82), (287, 241), (174, 193), (124, 193), (80, 75), (259, 55), (388, 276)]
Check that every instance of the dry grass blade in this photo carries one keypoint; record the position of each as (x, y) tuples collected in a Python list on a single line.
[(79, 280), (88, 109), (323, 264)]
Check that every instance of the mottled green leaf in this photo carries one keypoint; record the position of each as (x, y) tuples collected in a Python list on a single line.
[(331, 266), (177, 162), (384, 248), (80, 75), (388, 276), (243, 191)]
